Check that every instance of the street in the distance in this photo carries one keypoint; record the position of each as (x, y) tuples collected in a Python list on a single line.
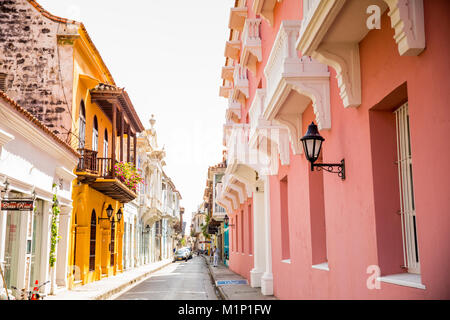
[(179, 281)]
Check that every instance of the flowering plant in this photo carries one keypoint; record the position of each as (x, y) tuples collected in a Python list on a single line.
[(129, 175)]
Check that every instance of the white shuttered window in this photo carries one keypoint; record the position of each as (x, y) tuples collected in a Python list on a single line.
[(407, 205)]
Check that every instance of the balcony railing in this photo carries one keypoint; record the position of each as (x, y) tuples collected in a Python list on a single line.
[(251, 49), (240, 89), (99, 173), (89, 162)]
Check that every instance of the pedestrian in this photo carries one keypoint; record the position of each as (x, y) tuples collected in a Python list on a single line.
[(216, 256), (211, 255)]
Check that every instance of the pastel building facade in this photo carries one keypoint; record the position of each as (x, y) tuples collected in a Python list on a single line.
[(36, 165), (377, 90), (159, 211)]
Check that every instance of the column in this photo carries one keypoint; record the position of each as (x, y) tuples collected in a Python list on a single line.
[(62, 260), (113, 139), (3, 216), (134, 149), (26, 235), (267, 278), (45, 243), (128, 144), (259, 253), (121, 135)]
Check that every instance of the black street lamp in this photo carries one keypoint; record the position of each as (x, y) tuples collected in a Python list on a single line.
[(119, 216), (109, 213), (312, 145)]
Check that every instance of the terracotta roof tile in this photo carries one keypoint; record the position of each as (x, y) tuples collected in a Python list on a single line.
[(38, 124)]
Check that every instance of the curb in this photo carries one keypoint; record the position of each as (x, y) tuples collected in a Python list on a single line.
[(222, 294), (123, 287)]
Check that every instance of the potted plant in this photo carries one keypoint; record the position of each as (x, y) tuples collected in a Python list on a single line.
[(127, 173)]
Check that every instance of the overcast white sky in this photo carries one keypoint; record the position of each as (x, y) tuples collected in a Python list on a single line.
[(168, 55)]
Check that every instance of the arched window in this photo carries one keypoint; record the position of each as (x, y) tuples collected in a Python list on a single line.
[(82, 126), (93, 241), (105, 144), (95, 135)]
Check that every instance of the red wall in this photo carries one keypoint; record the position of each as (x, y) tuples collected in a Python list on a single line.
[(352, 224), (358, 231), (241, 255)]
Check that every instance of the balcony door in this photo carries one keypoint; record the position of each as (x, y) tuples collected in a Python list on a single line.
[(105, 167), (82, 127), (95, 135)]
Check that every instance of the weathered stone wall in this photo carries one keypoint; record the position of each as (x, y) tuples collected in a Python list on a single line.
[(37, 76)]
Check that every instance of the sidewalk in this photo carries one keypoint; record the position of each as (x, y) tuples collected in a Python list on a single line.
[(106, 288), (234, 291)]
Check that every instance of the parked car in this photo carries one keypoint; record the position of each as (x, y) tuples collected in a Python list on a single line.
[(181, 254), (189, 251)]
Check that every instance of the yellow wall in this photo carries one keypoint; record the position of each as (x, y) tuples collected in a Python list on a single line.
[(87, 74), (85, 200)]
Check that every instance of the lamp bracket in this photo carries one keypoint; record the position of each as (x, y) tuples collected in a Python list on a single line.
[(338, 168), (102, 219)]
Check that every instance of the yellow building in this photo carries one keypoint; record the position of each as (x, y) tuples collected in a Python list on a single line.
[(106, 126), (63, 82)]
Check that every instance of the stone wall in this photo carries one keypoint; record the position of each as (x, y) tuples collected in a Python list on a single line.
[(36, 56)]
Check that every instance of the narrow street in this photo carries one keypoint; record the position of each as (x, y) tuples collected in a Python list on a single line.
[(179, 281)]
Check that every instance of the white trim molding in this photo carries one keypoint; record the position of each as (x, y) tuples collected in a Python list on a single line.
[(338, 47), (251, 44), (267, 140), (404, 279), (407, 19), (233, 112), (240, 91), (286, 72), (5, 137)]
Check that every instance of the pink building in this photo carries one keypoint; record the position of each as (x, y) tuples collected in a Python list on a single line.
[(373, 76)]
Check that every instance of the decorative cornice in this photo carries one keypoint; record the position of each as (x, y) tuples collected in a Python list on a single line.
[(407, 19), (286, 72)]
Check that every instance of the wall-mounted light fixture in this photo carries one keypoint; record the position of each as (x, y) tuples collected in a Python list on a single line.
[(109, 213), (4, 191), (312, 145)]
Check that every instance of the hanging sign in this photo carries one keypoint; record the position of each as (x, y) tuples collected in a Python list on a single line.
[(17, 205)]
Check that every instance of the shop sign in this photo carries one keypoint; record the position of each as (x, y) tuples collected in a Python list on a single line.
[(17, 205)]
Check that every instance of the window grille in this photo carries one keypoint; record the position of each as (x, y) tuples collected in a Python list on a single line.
[(407, 206)]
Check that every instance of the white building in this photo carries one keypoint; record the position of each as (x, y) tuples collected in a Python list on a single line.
[(34, 164), (158, 203)]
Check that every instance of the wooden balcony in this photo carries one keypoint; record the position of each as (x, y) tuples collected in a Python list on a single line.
[(99, 173)]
